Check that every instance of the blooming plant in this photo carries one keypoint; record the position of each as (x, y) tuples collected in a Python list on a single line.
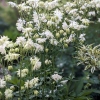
[(48, 29)]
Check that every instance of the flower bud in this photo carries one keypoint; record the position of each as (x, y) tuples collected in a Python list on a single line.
[(10, 68), (67, 30), (11, 50), (49, 23), (46, 50), (61, 31), (36, 92), (15, 44), (37, 36), (19, 99), (22, 87), (72, 32), (66, 45), (0, 94), (53, 18), (30, 25), (16, 49), (41, 4), (12, 88), (57, 35)]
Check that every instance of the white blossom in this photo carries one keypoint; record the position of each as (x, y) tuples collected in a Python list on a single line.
[(29, 44), (2, 83), (91, 13), (33, 3), (41, 40), (71, 38), (2, 49), (47, 61), (51, 5), (35, 17), (54, 42), (20, 24), (56, 77), (8, 77), (8, 93), (12, 4), (36, 64), (64, 25), (21, 41), (31, 83), (82, 38), (58, 14), (22, 73), (11, 56), (85, 21), (23, 7), (38, 47), (47, 34)]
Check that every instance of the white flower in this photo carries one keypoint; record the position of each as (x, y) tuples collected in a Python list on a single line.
[(85, 21), (92, 13), (2, 49), (8, 77), (71, 38), (36, 64), (27, 84), (36, 20), (47, 34), (2, 83), (3, 39), (35, 81), (54, 42), (29, 45), (56, 77), (38, 47), (11, 56), (21, 41), (98, 19), (35, 17), (49, 23), (73, 11), (12, 4), (9, 44), (82, 37), (23, 7), (64, 81), (33, 3), (98, 5), (8, 93), (74, 25), (43, 18), (51, 5), (41, 40), (58, 14), (64, 25), (36, 92), (27, 31), (22, 73), (31, 83), (47, 61), (20, 24)]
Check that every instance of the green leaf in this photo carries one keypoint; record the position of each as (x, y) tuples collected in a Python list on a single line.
[(79, 86), (88, 92), (16, 81)]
